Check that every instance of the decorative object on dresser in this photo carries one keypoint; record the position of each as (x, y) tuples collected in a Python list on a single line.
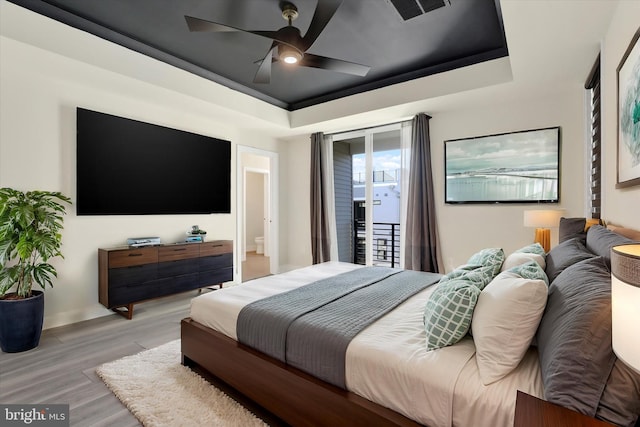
[(195, 234), (625, 300), (132, 275), (543, 220), (137, 242)]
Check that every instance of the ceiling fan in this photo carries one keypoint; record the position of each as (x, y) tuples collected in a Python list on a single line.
[(288, 44)]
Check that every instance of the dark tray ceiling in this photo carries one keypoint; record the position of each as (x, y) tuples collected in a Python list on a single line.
[(370, 32)]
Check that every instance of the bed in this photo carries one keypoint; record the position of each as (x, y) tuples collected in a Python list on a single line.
[(389, 377)]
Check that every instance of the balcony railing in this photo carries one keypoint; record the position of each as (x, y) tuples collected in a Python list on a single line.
[(386, 244), (378, 176)]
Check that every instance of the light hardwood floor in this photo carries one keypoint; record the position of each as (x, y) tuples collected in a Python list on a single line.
[(62, 368), (255, 265)]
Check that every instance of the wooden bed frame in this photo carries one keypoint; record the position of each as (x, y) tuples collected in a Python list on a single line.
[(295, 397)]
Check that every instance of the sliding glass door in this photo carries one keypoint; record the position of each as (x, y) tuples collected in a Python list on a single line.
[(368, 181)]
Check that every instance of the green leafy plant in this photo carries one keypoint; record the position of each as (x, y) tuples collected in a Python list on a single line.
[(30, 225)]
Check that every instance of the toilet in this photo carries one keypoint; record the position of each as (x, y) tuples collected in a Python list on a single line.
[(260, 245)]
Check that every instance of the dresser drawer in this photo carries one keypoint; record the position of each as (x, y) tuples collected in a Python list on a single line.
[(157, 288), (174, 285), (216, 247), (177, 268), (174, 253), (213, 277), (124, 276), (214, 262), (129, 257)]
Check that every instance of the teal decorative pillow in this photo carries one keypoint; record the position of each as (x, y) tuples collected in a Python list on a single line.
[(459, 272), (477, 275), (530, 270), (448, 312), (534, 248), (490, 257)]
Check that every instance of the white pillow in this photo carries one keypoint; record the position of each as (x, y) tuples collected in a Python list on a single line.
[(519, 258), (505, 321)]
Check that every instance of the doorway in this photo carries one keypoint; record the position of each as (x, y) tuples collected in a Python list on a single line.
[(257, 237)]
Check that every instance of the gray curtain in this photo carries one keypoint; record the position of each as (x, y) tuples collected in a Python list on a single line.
[(422, 250), (320, 248)]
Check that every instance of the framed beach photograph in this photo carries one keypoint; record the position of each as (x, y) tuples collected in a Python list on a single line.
[(628, 73), (516, 167)]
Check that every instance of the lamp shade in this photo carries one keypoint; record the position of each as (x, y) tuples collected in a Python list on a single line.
[(625, 303), (542, 218)]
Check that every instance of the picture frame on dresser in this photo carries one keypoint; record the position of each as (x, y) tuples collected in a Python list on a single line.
[(628, 91)]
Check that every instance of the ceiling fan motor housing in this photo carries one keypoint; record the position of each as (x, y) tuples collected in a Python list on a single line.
[(289, 12), (291, 39)]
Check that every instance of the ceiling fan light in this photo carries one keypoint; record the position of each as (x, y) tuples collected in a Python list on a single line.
[(289, 55)]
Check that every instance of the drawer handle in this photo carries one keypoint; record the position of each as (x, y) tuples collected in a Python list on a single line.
[(179, 249), (217, 246), (135, 254)]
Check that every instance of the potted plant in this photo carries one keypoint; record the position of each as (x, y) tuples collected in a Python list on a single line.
[(30, 225)]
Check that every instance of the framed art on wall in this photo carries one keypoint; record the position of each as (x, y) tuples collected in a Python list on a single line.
[(516, 167), (628, 73)]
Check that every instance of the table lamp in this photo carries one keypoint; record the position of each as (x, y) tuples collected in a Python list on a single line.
[(543, 220), (625, 303)]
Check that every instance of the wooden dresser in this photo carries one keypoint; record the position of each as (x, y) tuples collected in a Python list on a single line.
[(132, 275)]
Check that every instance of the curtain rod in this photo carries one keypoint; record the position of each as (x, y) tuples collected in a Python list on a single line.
[(368, 127)]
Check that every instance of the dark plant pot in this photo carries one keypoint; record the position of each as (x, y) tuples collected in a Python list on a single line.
[(21, 323)]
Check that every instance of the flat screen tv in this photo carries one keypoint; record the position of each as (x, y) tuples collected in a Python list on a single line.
[(128, 167), (516, 167)]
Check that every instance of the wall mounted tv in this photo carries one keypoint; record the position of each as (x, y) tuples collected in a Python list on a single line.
[(516, 167), (127, 167)]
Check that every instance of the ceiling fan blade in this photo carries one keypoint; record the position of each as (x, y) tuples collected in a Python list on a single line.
[(197, 24), (263, 75), (202, 25), (332, 64), (323, 14)]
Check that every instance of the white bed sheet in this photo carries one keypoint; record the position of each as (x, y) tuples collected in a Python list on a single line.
[(383, 360)]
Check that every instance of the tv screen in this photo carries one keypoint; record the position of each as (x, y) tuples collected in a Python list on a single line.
[(127, 167), (516, 167)]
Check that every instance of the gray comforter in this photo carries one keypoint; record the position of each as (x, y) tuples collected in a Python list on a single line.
[(310, 327)]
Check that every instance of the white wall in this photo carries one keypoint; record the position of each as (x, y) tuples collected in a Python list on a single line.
[(465, 229), (619, 206), (40, 92), (298, 158)]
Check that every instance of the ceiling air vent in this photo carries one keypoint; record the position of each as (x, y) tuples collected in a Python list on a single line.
[(411, 8)]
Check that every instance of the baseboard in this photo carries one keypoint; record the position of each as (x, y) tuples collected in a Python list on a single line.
[(74, 316)]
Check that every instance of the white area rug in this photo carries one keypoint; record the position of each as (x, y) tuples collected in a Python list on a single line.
[(159, 391)]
